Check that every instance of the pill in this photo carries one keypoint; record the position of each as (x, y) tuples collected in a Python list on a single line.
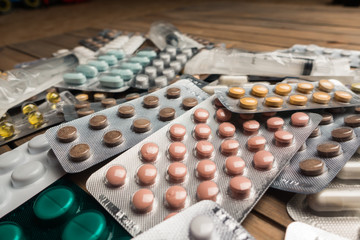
[(11, 231), (177, 151), (108, 102), (299, 119), (352, 121), (207, 190), (28, 108), (146, 174), (256, 143), (232, 80), (143, 200), (342, 96), (67, 134), (201, 115), (283, 138), (206, 169), (177, 132), (36, 119), (328, 149), (298, 100), (316, 132), (171, 50), (82, 104), (161, 81), (177, 172), (274, 102), (229, 147), (202, 131), (259, 91), (325, 85), (226, 130), (234, 165), (79, 227), (149, 152), (7, 129), (334, 200), (304, 87), (141, 125), (204, 149), (111, 81), (189, 103), (109, 59), (79, 152), (118, 53), (82, 97), (251, 127), (175, 197), (84, 112), (144, 61), (274, 123), (151, 101), (142, 80), (201, 228), (351, 170), (134, 67), (246, 116), (240, 187), (132, 96), (263, 160), (126, 111), (151, 72), (182, 58), (165, 57), (312, 167), (151, 54), (248, 103), (53, 97), (113, 138), (176, 65), (283, 89), (74, 78), (38, 144), (321, 97), (355, 87), (99, 96), (210, 89), (159, 64), (188, 52), (217, 103), (173, 93), (223, 115), (98, 122), (169, 73), (167, 114), (342, 134), (327, 118), (124, 74), (101, 66), (170, 215), (116, 176), (236, 92), (27, 174)]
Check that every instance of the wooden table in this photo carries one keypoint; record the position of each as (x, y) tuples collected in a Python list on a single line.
[(251, 26)]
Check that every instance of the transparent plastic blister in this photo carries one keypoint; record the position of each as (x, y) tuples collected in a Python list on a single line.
[(329, 157), (338, 196), (302, 231), (205, 164), (351, 170), (294, 99), (25, 171), (217, 224), (147, 118)]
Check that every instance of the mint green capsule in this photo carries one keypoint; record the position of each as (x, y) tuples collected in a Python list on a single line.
[(111, 81), (134, 67), (144, 61), (125, 74), (87, 70), (151, 54), (109, 59), (119, 54), (74, 78), (100, 65)]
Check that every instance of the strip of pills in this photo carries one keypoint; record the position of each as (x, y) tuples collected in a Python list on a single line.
[(327, 93), (296, 230), (324, 154), (120, 126), (203, 155)]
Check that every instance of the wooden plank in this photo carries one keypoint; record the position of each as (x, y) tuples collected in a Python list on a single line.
[(10, 57), (85, 33), (260, 228), (4, 149), (36, 48), (64, 40)]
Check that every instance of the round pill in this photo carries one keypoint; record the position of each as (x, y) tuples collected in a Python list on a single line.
[(283, 138), (304, 87), (251, 127), (268, 114), (246, 116), (143, 200), (355, 87), (170, 215), (325, 85), (177, 172), (98, 122), (113, 138), (149, 152), (177, 132), (202, 131), (82, 97), (299, 119), (217, 103), (177, 151), (79, 152), (55, 204), (132, 96), (108, 102), (82, 104), (167, 114), (298, 100), (236, 92), (161, 81), (234, 165), (342, 96), (27, 173), (352, 121), (175, 197), (116, 176), (99, 96), (229, 147), (38, 144), (173, 92), (240, 187), (151, 102), (256, 143), (206, 169), (321, 97), (329, 149), (201, 227), (274, 102), (226, 130), (342, 134), (312, 167), (189, 103), (89, 225), (274, 123), (126, 111), (248, 103), (327, 118), (84, 112), (204, 149), (201, 115), (147, 174), (263, 160), (223, 115), (141, 125), (259, 91), (316, 132), (11, 231), (207, 190), (282, 89), (67, 134)]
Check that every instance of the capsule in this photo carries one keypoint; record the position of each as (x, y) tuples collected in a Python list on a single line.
[(351, 170)]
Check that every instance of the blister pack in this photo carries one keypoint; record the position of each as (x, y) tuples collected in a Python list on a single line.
[(84, 142), (203, 220), (202, 155), (25, 171), (302, 231), (351, 170), (327, 150), (334, 209), (62, 211), (286, 97)]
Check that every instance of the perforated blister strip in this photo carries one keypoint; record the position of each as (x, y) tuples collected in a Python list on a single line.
[(296, 230), (94, 138), (232, 104), (117, 200), (292, 180), (225, 227), (25, 171)]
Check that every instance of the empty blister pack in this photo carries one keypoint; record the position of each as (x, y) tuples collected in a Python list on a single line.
[(25, 171), (202, 155), (287, 96), (334, 209), (327, 150), (204, 220), (84, 142), (303, 231), (62, 211)]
